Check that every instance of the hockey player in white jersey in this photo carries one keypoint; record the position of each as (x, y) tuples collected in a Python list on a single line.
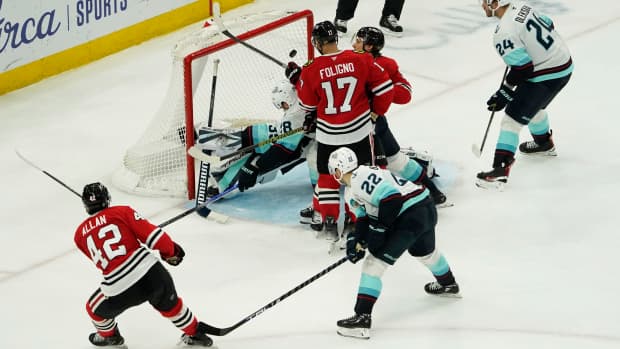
[(540, 66), (263, 163), (394, 215)]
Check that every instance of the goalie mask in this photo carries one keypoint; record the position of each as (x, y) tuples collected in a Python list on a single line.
[(343, 159), (95, 197), (282, 92)]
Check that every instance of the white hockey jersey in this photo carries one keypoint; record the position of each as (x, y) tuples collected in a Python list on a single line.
[(523, 36), (370, 185)]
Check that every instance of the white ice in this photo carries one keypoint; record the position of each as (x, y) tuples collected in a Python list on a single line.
[(537, 263)]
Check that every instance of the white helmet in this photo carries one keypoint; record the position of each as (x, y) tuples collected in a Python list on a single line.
[(343, 159), (283, 91)]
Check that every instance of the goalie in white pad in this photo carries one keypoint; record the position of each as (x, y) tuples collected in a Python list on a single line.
[(263, 163)]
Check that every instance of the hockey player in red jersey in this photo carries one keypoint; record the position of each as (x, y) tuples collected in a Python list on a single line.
[(119, 242), (343, 88), (371, 39)]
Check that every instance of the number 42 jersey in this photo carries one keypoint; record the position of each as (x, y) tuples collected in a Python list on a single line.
[(118, 241)]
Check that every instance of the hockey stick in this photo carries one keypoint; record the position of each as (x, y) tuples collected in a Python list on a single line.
[(224, 331), (220, 24), (214, 160), (205, 167), (477, 150), (197, 207), (47, 173), (170, 221)]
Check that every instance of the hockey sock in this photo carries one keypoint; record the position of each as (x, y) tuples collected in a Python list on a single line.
[(328, 190), (367, 294), (508, 139), (539, 127), (438, 265), (182, 318), (105, 327)]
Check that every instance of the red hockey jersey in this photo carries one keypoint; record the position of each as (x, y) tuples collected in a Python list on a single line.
[(118, 240), (402, 87), (343, 88)]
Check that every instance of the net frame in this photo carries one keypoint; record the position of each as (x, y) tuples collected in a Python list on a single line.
[(198, 47)]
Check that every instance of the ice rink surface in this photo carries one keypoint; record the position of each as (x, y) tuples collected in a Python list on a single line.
[(537, 263)]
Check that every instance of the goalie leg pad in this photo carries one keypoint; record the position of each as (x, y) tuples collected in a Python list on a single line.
[(219, 141), (400, 164)]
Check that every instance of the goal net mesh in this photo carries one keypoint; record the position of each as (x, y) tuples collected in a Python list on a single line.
[(157, 164)]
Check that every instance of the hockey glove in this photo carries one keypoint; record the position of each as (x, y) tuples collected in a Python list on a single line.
[(178, 256), (376, 235), (310, 122), (500, 98), (355, 250), (247, 176), (292, 71)]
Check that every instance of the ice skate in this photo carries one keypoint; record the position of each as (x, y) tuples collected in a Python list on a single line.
[(496, 178), (533, 148), (389, 25), (357, 326), (436, 289), (114, 341), (199, 339), (341, 26), (306, 214), (329, 230)]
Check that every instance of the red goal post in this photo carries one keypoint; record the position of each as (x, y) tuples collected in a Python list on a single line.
[(158, 164)]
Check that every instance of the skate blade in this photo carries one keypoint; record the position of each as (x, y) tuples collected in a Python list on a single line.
[(551, 152), (447, 295), (445, 204), (361, 333), (181, 344), (304, 220), (497, 185)]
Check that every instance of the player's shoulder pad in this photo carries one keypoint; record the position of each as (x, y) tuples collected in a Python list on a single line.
[(308, 62)]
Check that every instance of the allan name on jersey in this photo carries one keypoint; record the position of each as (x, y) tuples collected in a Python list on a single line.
[(93, 223)]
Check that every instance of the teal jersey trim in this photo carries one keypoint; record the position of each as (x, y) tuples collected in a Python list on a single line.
[(517, 57), (370, 285)]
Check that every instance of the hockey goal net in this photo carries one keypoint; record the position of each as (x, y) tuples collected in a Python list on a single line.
[(158, 164)]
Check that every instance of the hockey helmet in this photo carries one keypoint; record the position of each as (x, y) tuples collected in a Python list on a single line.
[(283, 91), (324, 33), (343, 159), (95, 197), (372, 36)]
